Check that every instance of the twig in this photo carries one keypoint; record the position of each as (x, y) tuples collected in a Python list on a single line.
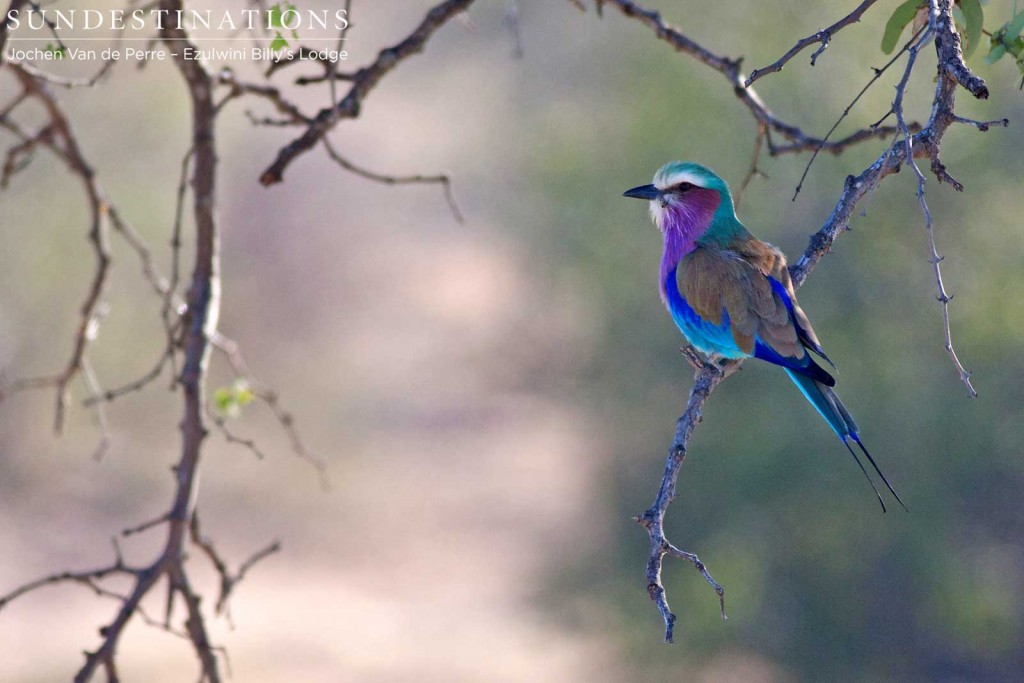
[(229, 348), (98, 236), (934, 258), (326, 76), (823, 36), (730, 69), (762, 133), (98, 413), (267, 92), (442, 179), (875, 126), (332, 65), (706, 378), (108, 395), (27, 384), (145, 526), (231, 437), (983, 126), (228, 581), (19, 156), (365, 80), (86, 578)]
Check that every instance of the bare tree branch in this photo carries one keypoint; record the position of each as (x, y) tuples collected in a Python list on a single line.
[(98, 235), (823, 36), (911, 128), (441, 179), (268, 397), (754, 170), (730, 69), (228, 581), (365, 80), (706, 378), (198, 325), (332, 65), (267, 92)]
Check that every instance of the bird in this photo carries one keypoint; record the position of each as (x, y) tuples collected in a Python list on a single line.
[(731, 294)]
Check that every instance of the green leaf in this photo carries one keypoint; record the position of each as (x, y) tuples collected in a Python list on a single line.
[(274, 16), (903, 15), (278, 43), (995, 54), (973, 20), (1015, 25), (56, 51), (243, 392), (224, 398)]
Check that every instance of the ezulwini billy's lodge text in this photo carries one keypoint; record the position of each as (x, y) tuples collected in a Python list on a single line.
[(231, 54)]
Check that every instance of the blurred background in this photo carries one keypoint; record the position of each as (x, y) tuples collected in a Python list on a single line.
[(495, 399)]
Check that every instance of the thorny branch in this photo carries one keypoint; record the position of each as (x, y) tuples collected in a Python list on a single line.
[(911, 128), (190, 325), (61, 139), (824, 36), (952, 71), (799, 141), (199, 322)]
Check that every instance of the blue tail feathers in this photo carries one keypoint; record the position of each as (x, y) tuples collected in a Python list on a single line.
[(828, 405)]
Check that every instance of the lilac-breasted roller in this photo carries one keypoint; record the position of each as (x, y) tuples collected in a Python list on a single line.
[(731, 295)]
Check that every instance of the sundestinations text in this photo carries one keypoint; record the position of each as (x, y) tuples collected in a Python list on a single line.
[(189, 20)]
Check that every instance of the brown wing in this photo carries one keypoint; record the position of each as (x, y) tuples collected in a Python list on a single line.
[(713, 281), (770, 260)]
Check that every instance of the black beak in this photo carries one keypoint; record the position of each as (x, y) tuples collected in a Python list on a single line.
[(643, 192)]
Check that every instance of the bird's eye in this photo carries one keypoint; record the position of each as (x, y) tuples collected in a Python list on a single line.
[(683, 187)]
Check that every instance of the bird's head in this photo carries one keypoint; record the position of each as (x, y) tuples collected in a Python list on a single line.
[(687, 197)]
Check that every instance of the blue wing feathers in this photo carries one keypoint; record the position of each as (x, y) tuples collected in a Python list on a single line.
[(803, 366), (801, 333), (703, 334), (814, 382), (711, 338)]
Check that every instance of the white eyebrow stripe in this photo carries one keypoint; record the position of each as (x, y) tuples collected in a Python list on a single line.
[(678, 177)]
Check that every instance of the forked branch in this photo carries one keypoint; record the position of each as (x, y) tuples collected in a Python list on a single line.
[(363, 82), (824, 36)]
